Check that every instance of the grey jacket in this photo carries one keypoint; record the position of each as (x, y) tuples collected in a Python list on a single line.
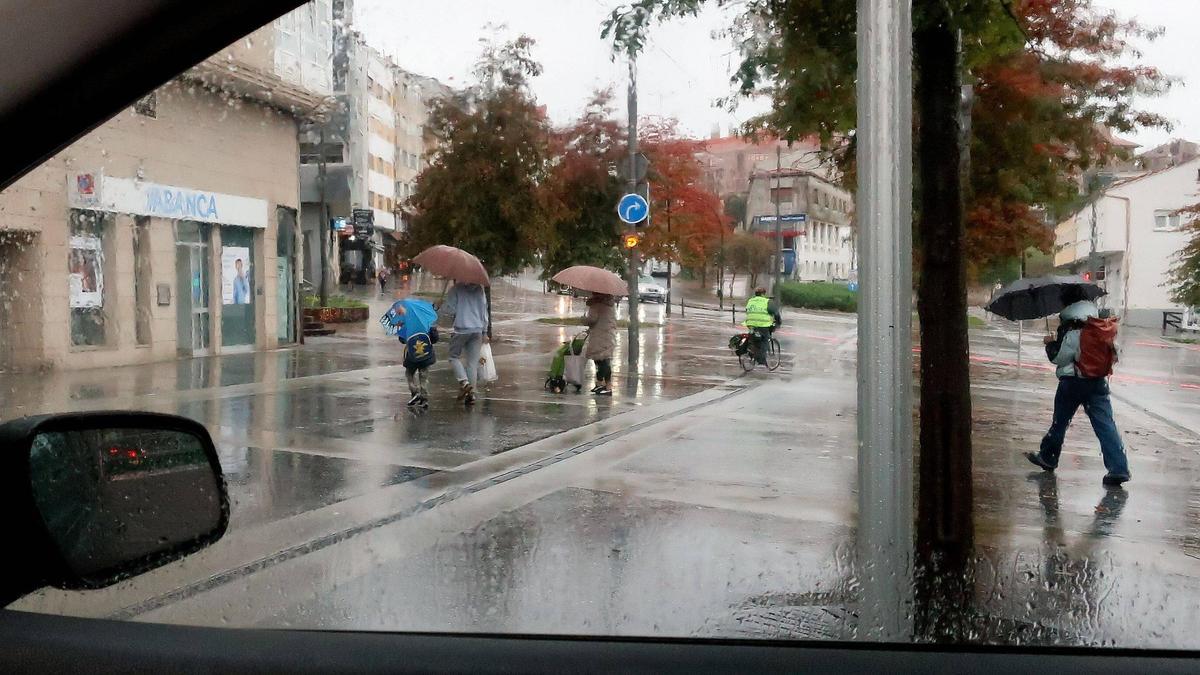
[(468, 305)]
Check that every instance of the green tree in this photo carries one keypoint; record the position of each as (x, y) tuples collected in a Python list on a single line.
[(749, 255), (735, 208), (1183, 279), (483, 190)]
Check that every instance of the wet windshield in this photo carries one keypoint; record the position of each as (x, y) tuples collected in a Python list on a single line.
[(589, 318)]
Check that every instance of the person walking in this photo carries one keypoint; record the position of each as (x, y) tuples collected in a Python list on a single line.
[(601, 320), (1084, 351), (383, 279), (467, 303), (412, 321)]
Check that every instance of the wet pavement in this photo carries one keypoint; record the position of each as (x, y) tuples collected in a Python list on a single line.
[(697, 501)]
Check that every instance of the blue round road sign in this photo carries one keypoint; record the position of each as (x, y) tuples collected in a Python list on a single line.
[(633, 208)]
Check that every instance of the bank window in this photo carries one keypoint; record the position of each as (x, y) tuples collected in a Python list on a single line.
[(142, 280), (85, 276), (1166, 221)]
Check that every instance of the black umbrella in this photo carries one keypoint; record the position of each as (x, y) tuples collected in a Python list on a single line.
[(1039, 297)]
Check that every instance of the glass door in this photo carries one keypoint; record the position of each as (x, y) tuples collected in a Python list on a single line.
[(192, 283)]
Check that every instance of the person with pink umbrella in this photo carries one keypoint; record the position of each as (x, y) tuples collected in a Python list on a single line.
[(467, 303), (601, 342), (601, 317)]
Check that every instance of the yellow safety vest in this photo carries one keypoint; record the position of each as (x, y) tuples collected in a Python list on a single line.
[(758, 314)]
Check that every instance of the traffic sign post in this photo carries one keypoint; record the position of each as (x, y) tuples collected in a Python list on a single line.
[(633, 209)]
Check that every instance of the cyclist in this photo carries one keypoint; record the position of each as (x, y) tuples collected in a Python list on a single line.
[(762, 316)]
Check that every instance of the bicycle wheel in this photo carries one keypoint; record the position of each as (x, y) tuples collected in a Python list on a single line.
[(773, 354), (746, 358)]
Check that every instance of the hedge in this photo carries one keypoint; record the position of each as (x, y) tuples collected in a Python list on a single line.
[(819, 295)]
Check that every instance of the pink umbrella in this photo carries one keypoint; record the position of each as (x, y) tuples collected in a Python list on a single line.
[(594, 279), (453, 263)]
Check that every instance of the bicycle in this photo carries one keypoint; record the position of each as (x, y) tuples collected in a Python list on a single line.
[(746, 348)]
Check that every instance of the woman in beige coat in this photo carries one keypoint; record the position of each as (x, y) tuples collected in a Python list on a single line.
[(601, 321)]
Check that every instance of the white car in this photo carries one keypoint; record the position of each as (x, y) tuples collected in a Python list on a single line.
[(649, 290)]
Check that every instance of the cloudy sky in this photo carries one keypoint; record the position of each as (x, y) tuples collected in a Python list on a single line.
[(687, 66)]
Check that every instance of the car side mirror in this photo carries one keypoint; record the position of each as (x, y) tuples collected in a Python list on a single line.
[(98, 497)]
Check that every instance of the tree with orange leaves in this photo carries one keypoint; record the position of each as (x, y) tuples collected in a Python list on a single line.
[(687, 217)]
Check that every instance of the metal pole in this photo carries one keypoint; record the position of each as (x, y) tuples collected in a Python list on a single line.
[(885, 455), (1020, 323), (634, 341), (777, 258), (325, 232), (668, 303)]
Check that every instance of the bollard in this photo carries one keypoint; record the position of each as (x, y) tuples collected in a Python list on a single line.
[(681, 306)]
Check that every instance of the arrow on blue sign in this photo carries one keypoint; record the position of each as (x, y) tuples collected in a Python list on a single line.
[(633, 208)]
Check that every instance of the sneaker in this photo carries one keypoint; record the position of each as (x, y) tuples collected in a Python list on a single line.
[(415, 400), (468, 393), (1036, 459), (465, 388), (597, 388), (602, 391), (1114, 479)]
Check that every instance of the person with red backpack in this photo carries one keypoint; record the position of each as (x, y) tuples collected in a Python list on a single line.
[(1084, 351)]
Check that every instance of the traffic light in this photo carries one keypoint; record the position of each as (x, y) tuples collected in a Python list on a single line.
[(632, 240)]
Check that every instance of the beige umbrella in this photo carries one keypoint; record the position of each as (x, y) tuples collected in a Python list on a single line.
[(594, 279), (453, 263)]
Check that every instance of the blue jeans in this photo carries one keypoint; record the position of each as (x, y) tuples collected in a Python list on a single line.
[(1092, 394)]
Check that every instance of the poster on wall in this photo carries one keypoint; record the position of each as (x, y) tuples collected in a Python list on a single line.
[(85, 272), (236, 282)]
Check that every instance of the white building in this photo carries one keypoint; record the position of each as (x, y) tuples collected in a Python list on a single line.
[(817, 219), (304, 46), (1134, 231)]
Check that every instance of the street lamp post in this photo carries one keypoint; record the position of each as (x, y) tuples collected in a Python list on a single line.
[(634, 340), (777, 259)]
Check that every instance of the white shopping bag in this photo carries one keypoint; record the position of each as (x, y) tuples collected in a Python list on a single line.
[(575, 369), (487, 365)]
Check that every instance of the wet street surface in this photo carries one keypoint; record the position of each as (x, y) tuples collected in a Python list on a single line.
[(696, 501)]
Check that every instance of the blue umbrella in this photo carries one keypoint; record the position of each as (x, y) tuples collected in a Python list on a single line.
[(417, 317)]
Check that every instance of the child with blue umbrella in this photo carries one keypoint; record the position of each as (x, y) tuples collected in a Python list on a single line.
[(413, 321)]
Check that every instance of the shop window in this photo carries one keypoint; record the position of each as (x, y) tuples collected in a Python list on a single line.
[(239, 286), (85, 276), (142, 280)]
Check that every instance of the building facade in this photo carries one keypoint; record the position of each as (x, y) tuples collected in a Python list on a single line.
[(1128, 236), (168, 231), (729, 161), (360, 165), (817, 218)]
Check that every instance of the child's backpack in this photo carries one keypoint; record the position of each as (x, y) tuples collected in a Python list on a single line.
[(1097, 348), (418, 351)]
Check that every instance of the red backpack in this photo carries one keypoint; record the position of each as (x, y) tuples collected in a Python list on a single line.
[(1097, 348)]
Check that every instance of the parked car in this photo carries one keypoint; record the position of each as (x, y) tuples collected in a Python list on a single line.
[(649, 290)]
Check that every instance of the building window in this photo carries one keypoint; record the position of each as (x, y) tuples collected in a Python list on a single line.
[(147, 105), (85, 276), (1166, 221), (142, 280)]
